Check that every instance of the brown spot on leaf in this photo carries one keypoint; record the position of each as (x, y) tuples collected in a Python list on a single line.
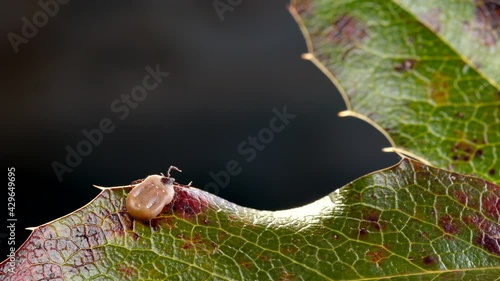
[(428, 260), (347, 31), (373, 221), (154, 224), (463, 151), (447, 224), (246, 264), (286, 276), (376, 256), (135, 236), (405, 65), (363, 231), (460, 115), (439, 88), (163, 222), (492, 172), (198, 244)]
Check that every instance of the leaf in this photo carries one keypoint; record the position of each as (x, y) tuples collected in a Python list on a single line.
[(425, 73), (409, 222)]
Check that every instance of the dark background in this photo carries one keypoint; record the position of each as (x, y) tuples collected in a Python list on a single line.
[(225, 79)]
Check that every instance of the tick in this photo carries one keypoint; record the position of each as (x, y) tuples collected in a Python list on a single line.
[(146, 200)]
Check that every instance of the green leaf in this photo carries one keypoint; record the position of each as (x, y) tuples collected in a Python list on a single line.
[(409, 222), (425, 73)]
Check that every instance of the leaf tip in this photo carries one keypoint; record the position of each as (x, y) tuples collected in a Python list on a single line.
[(345, 113), (99, 187), (307, 56), (388, 149)]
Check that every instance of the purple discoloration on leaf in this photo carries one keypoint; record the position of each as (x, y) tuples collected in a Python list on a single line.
[(491, 203), (188, 203), (448, 225), (487, 21)]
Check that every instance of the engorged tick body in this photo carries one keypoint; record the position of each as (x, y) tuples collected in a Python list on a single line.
[(146, 200)]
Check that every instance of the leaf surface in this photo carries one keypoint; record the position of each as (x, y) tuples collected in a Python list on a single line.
[(408, 222), (425, 73)]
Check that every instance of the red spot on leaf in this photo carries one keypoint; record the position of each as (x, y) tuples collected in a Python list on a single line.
[(188, 203), (460, 196), (491, 205), (472, 221), (487, 233)]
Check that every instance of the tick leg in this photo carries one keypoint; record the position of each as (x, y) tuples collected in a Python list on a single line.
[(172, 168)]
